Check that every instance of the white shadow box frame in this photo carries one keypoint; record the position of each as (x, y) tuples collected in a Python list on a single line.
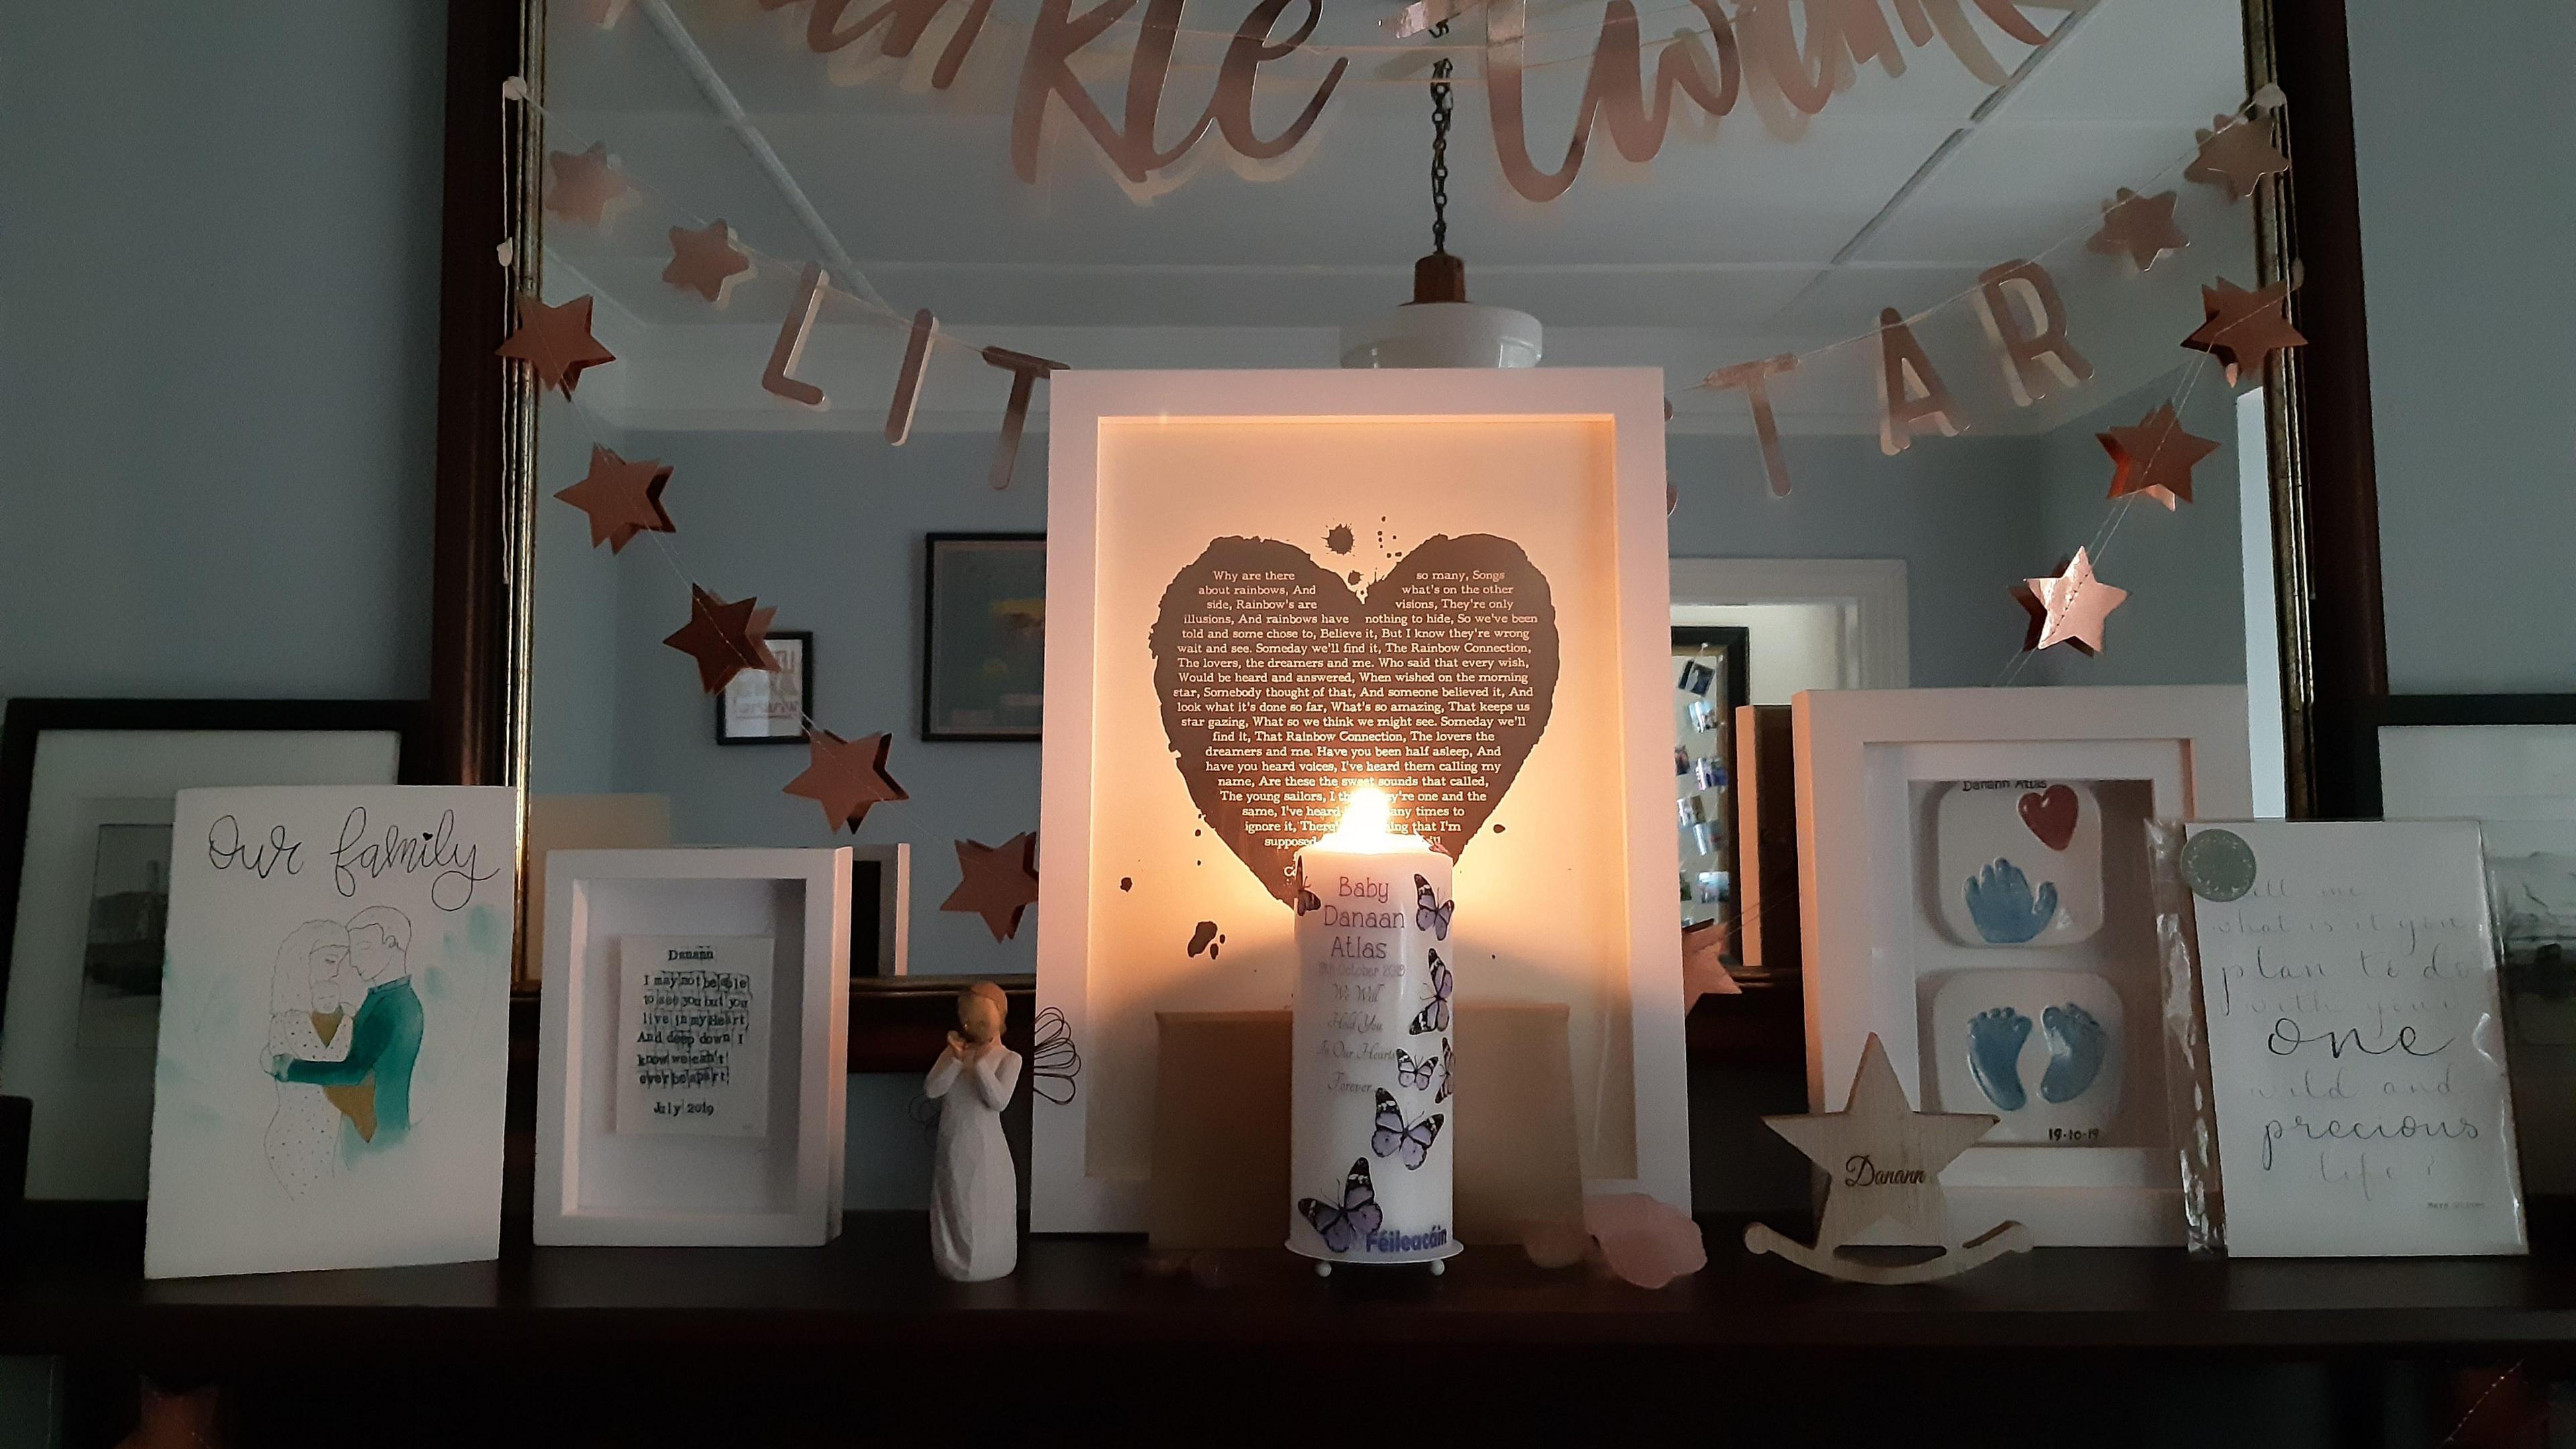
[(600, 1187), (1873, 767), (1564, 895)]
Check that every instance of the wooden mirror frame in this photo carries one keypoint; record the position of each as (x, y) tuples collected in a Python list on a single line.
[(2324, 492)]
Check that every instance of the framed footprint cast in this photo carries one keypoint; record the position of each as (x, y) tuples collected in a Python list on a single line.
[(1976, 890)]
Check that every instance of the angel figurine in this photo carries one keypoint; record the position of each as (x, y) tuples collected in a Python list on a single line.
[(974, 1188)]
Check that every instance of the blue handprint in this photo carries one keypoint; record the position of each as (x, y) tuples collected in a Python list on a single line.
[(2000, 902)]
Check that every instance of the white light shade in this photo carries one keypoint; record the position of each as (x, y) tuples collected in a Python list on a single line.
[(1443, 334)]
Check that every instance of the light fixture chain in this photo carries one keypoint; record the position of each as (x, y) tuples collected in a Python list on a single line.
[(1441, 108)]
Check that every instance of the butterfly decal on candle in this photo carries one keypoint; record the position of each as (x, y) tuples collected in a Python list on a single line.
[(1393, 1135), (1413, 1075), (1430, 913), (1357, 1216), (1448, 1069), (1434, 1016), (1427, 1073)]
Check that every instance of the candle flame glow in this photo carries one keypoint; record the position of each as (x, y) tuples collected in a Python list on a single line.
[(1366, 813)]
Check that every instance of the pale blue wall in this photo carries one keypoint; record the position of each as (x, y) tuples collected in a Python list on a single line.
[(2465, 117), (218, 346)]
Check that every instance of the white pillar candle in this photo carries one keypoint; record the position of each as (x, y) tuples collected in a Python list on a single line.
[(1370, 1121)]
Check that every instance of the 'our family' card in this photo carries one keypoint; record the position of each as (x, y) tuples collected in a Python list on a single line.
[(334, 1030), (2355, 1038)]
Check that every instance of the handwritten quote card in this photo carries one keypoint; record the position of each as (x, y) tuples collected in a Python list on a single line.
[(2355, 1039), (693, 1045)]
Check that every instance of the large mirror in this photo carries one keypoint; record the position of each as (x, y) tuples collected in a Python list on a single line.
[(1948, 171)]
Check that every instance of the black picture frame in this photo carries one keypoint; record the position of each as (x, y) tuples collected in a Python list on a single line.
[(2355, 760), (933, 545), (805, 692), (28, 720)]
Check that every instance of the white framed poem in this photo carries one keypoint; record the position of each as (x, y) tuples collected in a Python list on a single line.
[(695, 1039), (1449, 583), (2036, 995)]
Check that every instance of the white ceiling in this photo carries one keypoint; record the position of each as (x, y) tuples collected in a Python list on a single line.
[(1735, 242)]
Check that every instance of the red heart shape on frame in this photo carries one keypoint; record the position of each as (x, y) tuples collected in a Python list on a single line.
[(1281, 689), (2050, 814)]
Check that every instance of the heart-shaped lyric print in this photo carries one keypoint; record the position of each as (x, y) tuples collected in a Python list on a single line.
[(1281, 689)]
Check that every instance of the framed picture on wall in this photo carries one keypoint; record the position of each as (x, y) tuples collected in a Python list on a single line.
[(1711, 666), (768, 706), (2507, 761), (983, 621), (88, 789)]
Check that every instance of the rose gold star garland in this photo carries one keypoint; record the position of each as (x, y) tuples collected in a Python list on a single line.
[(2031, 338)]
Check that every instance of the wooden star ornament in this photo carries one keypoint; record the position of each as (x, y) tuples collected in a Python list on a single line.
[(1000, 882), (1883, 1162), (2155, 457), (2235, 155), (2070, 608), (725, 639), (706, 262), (846, 777), (623, 499), (2139, 227), (587, 188), (2243, 329), (555, 342)]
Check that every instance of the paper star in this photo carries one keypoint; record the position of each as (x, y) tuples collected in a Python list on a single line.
[(623, 499), (846, 776), (2142, 227), (587, 188), (1000, 884), (725, 639), (2070, 608), (706, 262), (1704, 971), (2244, 328), (2236, 155), (1883, 1157), (2155, 457), (555, 342)]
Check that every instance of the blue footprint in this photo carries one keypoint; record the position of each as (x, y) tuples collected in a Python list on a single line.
[(1994, 1055), (2006, 913), (2074, 1052)]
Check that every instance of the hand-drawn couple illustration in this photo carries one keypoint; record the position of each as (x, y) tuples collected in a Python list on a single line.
[(344, 1034)]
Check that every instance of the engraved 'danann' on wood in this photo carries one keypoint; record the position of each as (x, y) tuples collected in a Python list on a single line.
[(1281, 689)]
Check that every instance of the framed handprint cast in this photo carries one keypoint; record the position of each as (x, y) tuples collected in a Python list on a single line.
[(1975, 889)]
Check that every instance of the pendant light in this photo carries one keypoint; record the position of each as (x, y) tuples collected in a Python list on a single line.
[(1440, 327)]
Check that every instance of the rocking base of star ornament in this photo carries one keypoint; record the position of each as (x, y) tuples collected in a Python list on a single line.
[(1884, 1160), (1974, 1253)]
